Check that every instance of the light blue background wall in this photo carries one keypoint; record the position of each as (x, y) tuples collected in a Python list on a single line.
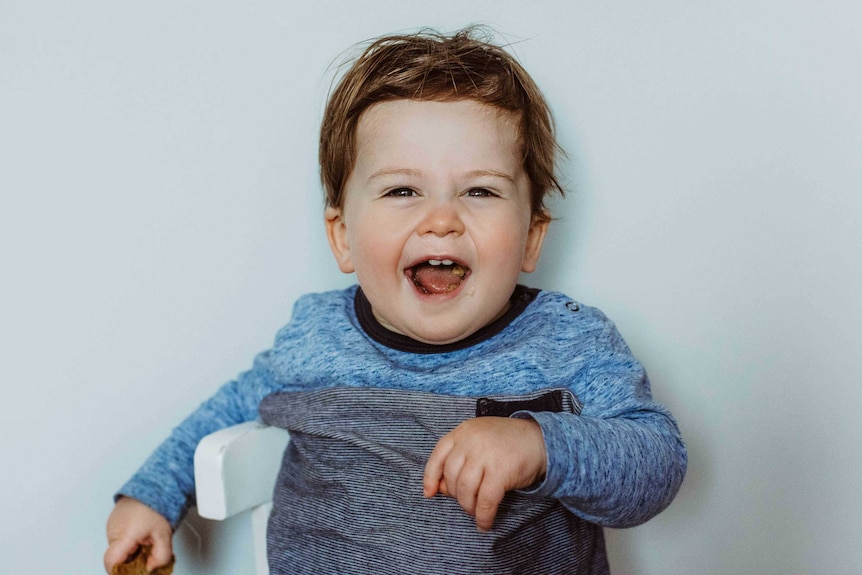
[(161, 213)]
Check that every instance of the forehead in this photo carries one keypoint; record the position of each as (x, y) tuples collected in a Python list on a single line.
[(460, 132)]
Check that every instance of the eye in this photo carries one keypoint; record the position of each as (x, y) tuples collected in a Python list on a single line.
[(480, 193), (400, 193)]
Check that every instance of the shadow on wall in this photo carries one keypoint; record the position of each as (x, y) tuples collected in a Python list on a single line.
[(205, 547), (565, 250), (627, 553), (564, 242)]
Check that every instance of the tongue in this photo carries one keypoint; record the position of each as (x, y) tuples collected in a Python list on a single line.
[(438, 279)]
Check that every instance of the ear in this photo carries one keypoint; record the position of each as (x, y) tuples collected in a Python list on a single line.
[(336, 233), (535, 240)]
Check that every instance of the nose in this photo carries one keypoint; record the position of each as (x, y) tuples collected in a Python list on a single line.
[(441, 218)]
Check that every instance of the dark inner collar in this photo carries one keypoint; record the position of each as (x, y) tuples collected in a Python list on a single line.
[(521, 298)]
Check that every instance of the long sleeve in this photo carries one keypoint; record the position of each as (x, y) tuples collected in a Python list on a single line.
[(622, 460), (618, 463), (165, 482)]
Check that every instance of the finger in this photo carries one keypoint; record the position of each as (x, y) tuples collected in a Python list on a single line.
[(469, 481), (432, 478), (434, 467), (487, 502), (118, 551), (161, 552), (442, 489), (452, 471)]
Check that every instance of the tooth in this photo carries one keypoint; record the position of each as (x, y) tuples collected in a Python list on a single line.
[(447, 262), (459, 271), (434, 262)]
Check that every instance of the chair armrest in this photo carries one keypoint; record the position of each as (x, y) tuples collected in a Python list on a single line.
[(236, 468)]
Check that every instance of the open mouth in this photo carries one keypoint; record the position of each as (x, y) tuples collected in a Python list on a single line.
[(438, 276)]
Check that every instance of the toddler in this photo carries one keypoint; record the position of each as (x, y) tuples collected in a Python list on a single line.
[(443, 418)]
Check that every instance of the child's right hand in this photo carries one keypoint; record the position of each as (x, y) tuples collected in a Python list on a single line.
[(132, 524)]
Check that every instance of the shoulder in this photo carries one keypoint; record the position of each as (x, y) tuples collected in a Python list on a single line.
[(329, 301), (555, 309), (583, 333), (561, 320), (315, 309)]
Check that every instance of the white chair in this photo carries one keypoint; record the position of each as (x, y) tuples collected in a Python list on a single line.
[(235, 472)]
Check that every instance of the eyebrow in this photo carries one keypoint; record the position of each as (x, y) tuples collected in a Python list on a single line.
[(417, 173), (394, 172), (491, 173)]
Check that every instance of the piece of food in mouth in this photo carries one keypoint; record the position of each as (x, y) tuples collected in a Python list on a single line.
[(438, 276), (136, 564)]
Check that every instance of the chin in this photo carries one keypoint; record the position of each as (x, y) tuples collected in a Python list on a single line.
[(442, 336)]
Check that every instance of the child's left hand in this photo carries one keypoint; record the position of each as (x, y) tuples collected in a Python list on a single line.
[(482, 459)]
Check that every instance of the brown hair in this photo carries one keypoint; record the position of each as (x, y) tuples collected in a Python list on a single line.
[(428, 65)]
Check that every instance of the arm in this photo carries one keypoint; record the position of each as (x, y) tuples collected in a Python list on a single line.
[(622, 460), (153, 502), (615, 471), (618, 463), (165, 482)]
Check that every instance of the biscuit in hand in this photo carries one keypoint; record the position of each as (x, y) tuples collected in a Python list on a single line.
[(136, 564)]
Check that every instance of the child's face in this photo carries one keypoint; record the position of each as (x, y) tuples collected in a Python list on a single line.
[(436, 182)]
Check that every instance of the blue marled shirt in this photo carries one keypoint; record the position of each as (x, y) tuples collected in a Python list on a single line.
[(617, 463)]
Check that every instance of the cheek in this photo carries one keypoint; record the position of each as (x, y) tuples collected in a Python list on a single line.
[(373, 246), (508, 239)]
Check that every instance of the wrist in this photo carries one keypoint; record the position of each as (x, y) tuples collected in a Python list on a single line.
[(539, 455)]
